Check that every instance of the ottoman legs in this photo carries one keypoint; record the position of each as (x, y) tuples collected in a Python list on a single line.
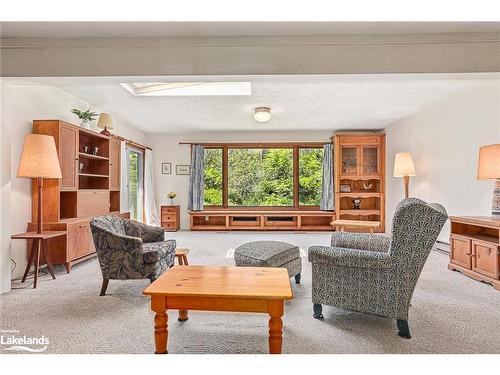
[(297, 278)]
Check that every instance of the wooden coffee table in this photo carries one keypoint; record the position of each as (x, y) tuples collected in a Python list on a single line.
[(240, 289)]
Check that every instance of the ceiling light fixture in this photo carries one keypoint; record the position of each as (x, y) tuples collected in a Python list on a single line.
[(262, 114), (188, 88)]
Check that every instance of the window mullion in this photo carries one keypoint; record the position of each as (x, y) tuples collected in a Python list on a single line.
[(296, 176)]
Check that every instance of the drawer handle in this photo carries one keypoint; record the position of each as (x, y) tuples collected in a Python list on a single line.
[(82, 226), (468, 253)]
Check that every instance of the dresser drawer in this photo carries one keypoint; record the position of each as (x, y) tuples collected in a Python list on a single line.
[(170, 226), (92, 203), (168, 210), (168, 217)]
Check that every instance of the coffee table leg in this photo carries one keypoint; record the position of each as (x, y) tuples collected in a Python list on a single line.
[(158, 305), (275, 310), (183, 316)]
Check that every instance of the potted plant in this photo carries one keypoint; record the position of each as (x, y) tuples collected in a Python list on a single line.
[(86, 117), (171, 196)]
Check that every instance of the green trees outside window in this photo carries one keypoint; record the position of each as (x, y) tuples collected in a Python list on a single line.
[(310, 176), (213, 176), (260, 177), (263, 177)]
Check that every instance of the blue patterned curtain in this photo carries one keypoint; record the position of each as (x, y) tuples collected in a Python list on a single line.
[(327, 201), (196, 180)]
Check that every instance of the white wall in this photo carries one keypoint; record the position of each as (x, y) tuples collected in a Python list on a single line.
[(444, 140), (166, 148), (20, 105)]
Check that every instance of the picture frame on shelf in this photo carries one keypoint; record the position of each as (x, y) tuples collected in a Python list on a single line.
[(345, 188), (166, 168), (183, 170)]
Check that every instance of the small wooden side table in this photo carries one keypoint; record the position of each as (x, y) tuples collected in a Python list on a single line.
[(339, 225), (181, 255), (39, 245)]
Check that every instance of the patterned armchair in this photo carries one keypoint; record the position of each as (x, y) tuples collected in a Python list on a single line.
[(127, 249), (377, 274)]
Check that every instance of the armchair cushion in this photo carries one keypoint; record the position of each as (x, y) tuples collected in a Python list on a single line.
[(147, 233), (154, 251), (337, 256), (361, 241)]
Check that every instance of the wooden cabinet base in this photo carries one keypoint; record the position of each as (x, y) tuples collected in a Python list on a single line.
[(474, 275), (261, 220), (475, 248)]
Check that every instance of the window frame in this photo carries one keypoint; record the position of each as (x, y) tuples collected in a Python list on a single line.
[(225, 174)]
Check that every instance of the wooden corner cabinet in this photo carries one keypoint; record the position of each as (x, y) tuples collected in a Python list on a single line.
[(475, 248), (170, 218), (90, 186), (360, 175)]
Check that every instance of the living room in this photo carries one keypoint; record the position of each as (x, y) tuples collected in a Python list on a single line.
[(250, 188)]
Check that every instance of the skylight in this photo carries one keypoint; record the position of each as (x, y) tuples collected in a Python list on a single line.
[(188, 88)]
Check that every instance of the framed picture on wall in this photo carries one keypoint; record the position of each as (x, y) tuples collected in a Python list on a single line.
[(166, 168), (183, 169)]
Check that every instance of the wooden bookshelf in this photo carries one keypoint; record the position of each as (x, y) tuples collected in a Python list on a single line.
[(360, 174), (82, 192)]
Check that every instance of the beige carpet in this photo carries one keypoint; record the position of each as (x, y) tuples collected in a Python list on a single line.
[(450, 313)]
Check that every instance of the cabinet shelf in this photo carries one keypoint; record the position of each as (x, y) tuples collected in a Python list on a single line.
[(90, 156), (360, 195), (93, 175), (360, 212)]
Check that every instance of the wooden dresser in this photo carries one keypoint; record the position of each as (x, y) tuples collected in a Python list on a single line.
[(90, 166), (475, 248), (171, 218)]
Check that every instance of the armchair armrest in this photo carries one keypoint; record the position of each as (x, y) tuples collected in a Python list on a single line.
[(147, 233), (104, 238), (153, 252), (361, 241), (337, 256)]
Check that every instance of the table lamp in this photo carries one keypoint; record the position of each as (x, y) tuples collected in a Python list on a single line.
[(404, 167), (105, 122), (488, 168), (39, 160)]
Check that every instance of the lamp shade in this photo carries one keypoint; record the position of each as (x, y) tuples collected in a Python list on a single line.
[(489, 162), (39, 157), (403, 165), (105, 121)]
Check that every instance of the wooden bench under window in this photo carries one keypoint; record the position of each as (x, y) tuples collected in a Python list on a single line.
[(261, 220)]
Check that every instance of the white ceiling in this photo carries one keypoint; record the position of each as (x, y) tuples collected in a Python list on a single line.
[(232, 29), (326, 102)]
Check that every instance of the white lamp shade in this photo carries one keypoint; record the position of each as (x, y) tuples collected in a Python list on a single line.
[(105, 121), (39, 157), (403, 165), (489, 162)]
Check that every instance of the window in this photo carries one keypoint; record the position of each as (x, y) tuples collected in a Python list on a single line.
[(260, 177), (213, 177), (135, 192), (310, 176), (263, 175)]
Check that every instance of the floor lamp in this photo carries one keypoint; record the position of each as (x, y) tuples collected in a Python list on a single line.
[(39, 160), (489, 168), (404, 167)]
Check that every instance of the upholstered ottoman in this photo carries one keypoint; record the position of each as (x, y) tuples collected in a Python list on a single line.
[(270, 254)]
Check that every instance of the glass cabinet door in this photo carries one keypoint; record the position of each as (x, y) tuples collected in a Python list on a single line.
[(349, 158), (370, 160)]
